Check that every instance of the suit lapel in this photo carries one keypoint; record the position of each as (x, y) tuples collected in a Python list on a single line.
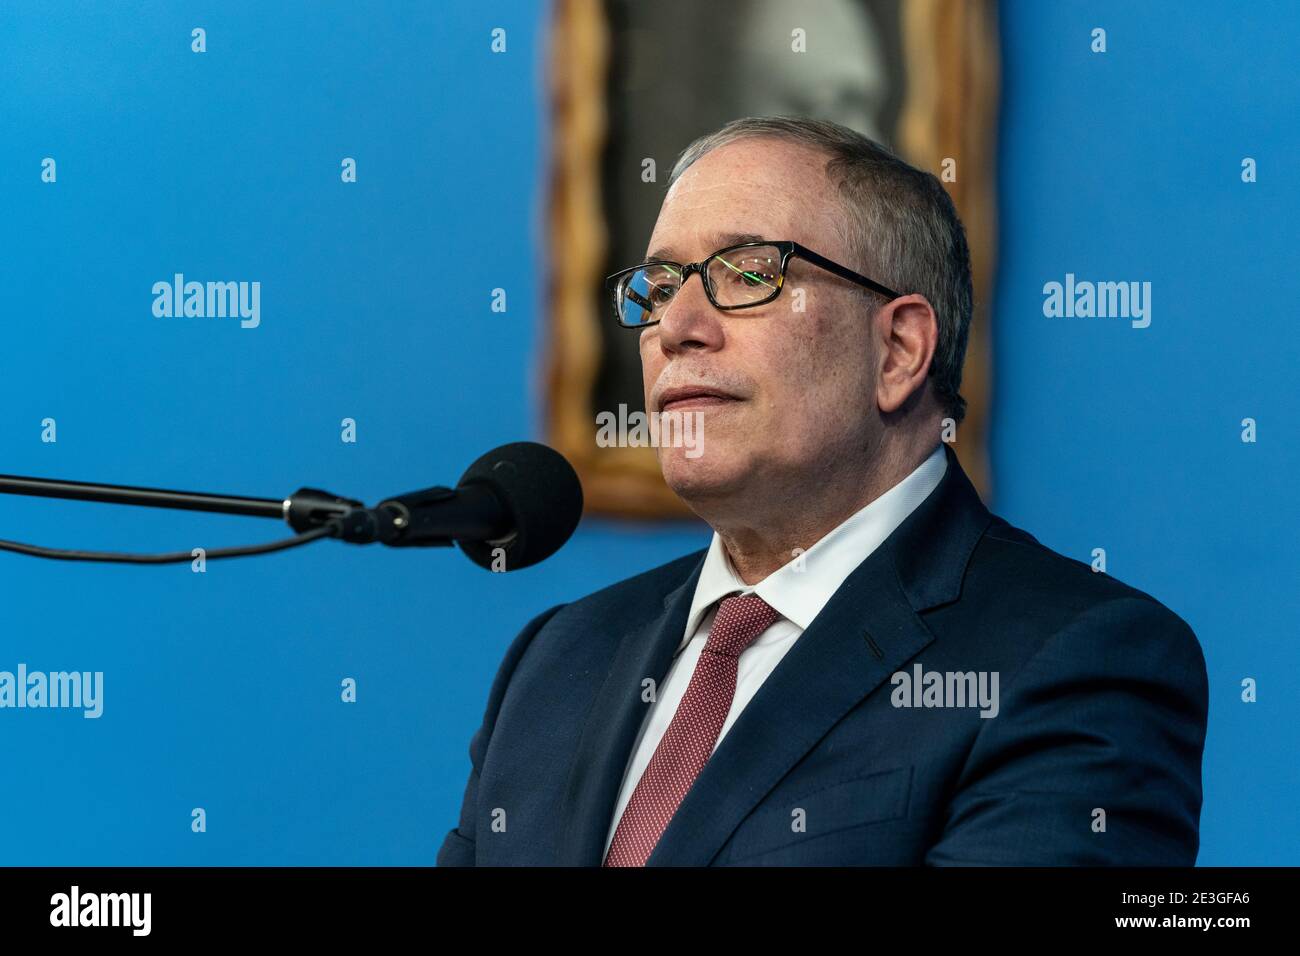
[(868, 630), (829, 670), (611, 727)]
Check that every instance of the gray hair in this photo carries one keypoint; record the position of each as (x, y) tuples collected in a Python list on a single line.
[(901, 225)]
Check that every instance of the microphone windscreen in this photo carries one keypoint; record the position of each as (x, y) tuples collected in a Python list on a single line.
[(539, 489)]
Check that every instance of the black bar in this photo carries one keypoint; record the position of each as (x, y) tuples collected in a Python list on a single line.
[(924, 905)]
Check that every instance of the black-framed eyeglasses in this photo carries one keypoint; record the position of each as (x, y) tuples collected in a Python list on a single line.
[(737, 277)]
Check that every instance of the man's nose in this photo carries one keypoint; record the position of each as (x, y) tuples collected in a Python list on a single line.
[(691, 321)]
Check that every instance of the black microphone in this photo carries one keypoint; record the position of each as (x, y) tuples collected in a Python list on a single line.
[(513, 507)]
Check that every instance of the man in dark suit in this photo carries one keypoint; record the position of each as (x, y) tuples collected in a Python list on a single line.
[(865, 666)]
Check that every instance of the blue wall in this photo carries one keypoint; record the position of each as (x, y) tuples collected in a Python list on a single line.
[(1126, 165), (222, 689)]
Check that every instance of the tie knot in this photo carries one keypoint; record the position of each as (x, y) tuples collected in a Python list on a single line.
[(739, 620)]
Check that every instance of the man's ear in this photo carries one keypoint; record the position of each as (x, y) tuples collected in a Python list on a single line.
[(907, 332)]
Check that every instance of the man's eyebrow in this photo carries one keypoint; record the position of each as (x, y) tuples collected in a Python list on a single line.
[(716, 241)]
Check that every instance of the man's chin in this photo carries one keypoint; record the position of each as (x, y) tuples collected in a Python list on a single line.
[(702, 478)]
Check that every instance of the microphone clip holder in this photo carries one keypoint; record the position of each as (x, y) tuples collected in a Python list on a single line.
[(396, 522)]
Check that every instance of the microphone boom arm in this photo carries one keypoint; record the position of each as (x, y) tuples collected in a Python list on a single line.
[(513, 507), (433, 517)]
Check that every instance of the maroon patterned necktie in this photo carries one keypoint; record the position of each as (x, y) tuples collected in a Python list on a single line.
[(689, 740)]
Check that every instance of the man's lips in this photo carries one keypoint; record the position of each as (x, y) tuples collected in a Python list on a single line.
[(687, 397)]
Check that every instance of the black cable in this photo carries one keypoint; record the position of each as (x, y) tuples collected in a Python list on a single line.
[(173, 557)]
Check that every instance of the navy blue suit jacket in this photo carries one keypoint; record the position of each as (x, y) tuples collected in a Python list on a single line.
[(1094, 756)]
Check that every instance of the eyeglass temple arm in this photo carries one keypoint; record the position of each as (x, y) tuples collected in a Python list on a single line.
[(834, 267)]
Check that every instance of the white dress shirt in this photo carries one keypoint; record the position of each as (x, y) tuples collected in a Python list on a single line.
[(797, 591)]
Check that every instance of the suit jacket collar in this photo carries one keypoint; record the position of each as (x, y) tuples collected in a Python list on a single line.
[(867, 631), (800, 589)]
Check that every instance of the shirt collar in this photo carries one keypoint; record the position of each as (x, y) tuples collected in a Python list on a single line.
[(801, 588)]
